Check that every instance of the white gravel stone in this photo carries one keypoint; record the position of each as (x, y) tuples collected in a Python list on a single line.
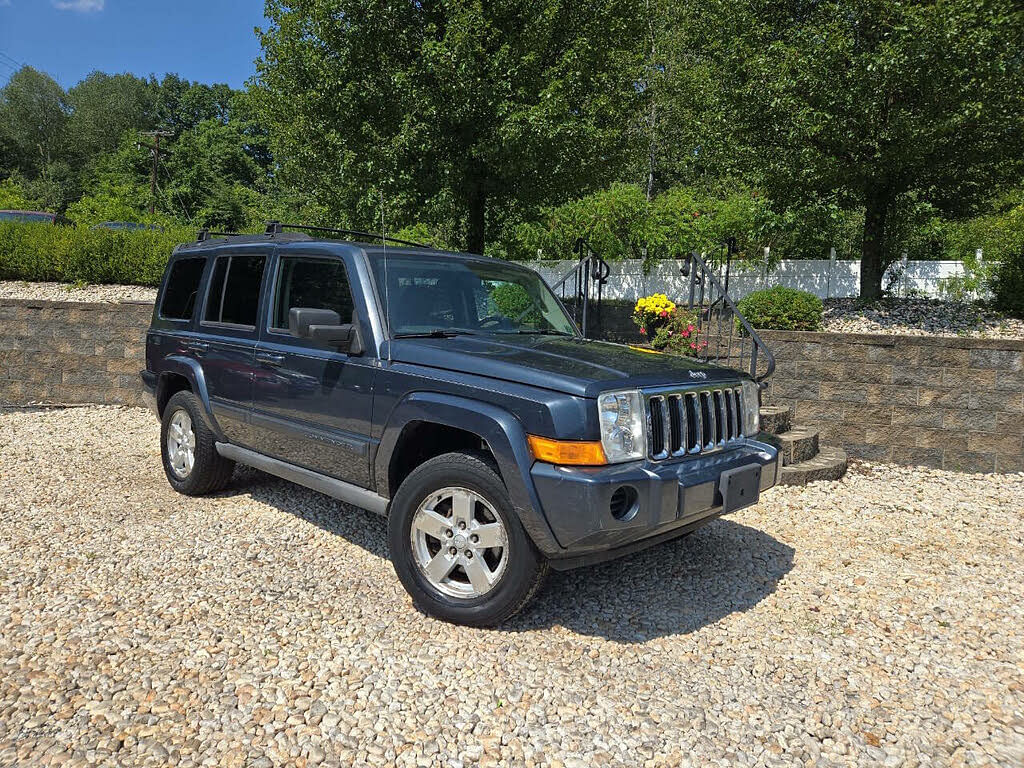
[(876, 620), (12, 289), (920, 317)]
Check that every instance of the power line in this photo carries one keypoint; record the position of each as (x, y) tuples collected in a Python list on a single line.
[(12, 60)]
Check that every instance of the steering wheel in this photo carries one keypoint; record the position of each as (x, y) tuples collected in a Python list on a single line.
[(493, 321)]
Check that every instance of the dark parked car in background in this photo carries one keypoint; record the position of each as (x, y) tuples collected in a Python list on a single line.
[(452, 394), (127, 226), (34, 217)]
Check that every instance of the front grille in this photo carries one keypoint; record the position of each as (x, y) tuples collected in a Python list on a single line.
[(693, 421)]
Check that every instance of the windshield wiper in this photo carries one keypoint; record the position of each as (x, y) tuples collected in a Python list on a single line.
[(542, 332), (436, 333)]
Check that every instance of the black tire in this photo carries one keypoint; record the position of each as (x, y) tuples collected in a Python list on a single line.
[(524, 571), (210, 471)]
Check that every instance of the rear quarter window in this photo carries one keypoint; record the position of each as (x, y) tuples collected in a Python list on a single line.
[(181, 289), (235, 290)]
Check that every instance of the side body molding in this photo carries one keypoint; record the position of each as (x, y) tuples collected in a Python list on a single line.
[(501, 431), (193, 371)]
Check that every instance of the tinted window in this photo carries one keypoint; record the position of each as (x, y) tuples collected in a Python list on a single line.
[(313, 284), (181, 289), (235, 290)]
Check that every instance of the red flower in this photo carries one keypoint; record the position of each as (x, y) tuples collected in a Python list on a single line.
[(690, 327), (663, 313), (643, 331)]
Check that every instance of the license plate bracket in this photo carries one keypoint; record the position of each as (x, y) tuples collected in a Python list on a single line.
[(739, 487)]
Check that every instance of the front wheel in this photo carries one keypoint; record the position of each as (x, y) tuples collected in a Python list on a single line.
[(458, 546)]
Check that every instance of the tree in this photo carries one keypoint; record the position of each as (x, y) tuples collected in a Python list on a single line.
[(105, 107), (875, 100), (462, 114), (33, 122)]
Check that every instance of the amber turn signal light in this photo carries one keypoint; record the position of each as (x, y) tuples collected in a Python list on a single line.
[(574, 452)]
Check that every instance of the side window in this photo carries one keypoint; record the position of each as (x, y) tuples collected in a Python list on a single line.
[(179, 299), (312, 283), (235, 290)]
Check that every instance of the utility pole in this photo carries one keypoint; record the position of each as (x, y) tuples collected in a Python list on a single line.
[(154, 151)]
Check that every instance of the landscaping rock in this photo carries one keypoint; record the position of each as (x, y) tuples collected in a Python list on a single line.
[(876, 620)]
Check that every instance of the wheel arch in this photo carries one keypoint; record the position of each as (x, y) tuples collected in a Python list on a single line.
[(495, 428), (180, 373)]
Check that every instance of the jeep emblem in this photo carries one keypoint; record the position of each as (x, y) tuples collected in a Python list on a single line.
[(698, 375)]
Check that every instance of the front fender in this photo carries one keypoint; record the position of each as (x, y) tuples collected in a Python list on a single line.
[(501, 431), (193, 372)]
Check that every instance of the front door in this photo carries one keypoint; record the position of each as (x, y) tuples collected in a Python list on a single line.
[(312, 402), (226, 346)]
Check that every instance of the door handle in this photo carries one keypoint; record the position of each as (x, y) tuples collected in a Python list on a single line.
[(197, 346), (269, 358)]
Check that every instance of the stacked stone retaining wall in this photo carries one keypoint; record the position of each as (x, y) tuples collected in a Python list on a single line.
[(955, 403)]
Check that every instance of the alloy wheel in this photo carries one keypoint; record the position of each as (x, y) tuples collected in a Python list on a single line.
[(181, 444), (459, 543)]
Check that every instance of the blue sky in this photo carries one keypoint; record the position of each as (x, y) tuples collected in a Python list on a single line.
[(211, 41)]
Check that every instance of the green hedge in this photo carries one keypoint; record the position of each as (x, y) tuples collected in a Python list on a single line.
[(1008, 284), (782, 309), (42, 252)]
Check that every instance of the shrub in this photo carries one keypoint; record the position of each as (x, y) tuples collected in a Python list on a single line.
[(782, 309), (680, 335), (43, 252), (1008, 284)]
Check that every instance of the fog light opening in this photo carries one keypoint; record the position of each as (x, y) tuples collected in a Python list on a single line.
[(624, 503)]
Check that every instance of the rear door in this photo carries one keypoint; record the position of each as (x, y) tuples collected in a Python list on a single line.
[(226, 345), (312, 402)]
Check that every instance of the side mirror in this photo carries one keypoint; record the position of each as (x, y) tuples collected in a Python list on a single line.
[(324, 326)]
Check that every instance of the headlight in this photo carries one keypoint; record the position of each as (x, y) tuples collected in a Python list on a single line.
[(751, 409), (622, 425)]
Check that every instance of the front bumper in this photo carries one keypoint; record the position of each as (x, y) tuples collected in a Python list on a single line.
[(671, 499)]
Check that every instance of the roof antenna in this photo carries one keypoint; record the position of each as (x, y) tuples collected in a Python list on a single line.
[(387, 301)]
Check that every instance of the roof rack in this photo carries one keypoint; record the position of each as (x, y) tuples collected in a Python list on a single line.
[(205, 234), (277, 228)]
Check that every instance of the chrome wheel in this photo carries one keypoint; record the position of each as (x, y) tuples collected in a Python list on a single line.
[(459, 543), (181, 444)]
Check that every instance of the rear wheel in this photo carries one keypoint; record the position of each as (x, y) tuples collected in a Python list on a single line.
[(458, 546), (189, 450)]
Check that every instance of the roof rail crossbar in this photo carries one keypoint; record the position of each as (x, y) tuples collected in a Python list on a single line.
[(277, 227)]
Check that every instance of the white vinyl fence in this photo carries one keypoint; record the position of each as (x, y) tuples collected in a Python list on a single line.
[(822, 277)]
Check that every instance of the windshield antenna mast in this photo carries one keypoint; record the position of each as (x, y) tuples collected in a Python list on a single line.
[(387, 302)]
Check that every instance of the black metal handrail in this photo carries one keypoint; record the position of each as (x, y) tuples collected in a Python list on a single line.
[(590, 271), (709, 299)]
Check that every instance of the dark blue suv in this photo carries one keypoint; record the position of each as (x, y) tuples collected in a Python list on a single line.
[(450, 393)]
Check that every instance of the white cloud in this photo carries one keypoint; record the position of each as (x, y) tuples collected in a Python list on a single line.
[(82, 6)]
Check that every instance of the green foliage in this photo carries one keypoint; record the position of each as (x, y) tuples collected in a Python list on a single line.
[(511, 299), (871, 101), (1008, 284), (680, 335), (620, 223), (14, 197), (782, 309), (42, 252), (464, 115)]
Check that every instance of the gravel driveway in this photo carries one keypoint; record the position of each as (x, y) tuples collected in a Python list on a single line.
[(877, 620)]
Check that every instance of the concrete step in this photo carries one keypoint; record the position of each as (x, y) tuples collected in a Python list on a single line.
[(776, 418), (797, 444), (829, 464)]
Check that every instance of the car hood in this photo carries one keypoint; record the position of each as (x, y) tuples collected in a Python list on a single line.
[(572, 365)]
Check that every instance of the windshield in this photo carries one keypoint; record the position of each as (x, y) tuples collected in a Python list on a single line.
[(437, 295)]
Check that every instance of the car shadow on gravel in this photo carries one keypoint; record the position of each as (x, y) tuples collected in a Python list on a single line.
[(671, 589)]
